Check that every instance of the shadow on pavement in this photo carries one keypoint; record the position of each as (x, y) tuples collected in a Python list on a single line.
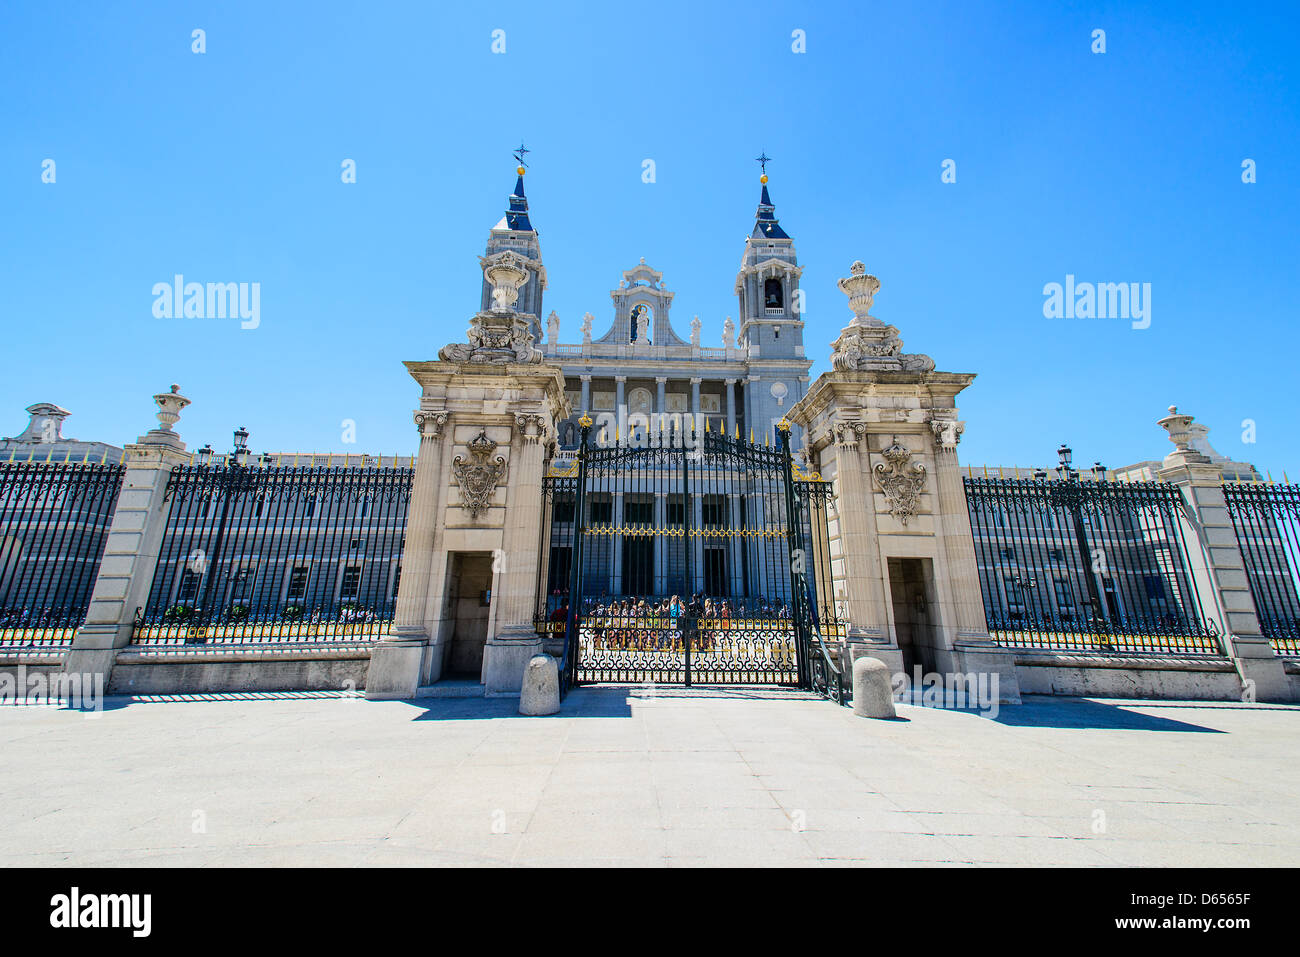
[(1084, 713)]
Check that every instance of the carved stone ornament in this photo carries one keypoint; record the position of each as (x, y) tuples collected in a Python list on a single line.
[(431, 424), (479, 476), (866, 343), (849, 434), (535, 422), (947, 432), (901, 480), (499, 335)]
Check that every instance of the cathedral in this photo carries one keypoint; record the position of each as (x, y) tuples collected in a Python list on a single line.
[(640, 365)]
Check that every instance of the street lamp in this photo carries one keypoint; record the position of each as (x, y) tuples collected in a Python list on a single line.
[(228, 481), (1068, 494)]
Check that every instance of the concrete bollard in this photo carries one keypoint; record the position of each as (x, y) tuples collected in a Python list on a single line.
[(540, 692), (873, 693)]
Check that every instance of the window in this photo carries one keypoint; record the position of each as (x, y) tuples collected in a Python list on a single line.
[(563, 508), (558, 577), (1054, 554), (638, 513), (1155, 586), (1064, 597), (715, 511), (189, 586), (602, 511), (351, 583), (1009, 554), (242, 586), (297, 584), (311, 506), (356, 544), (676, 510)]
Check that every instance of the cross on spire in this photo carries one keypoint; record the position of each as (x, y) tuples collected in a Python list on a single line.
[(520, 153), (763, 159)]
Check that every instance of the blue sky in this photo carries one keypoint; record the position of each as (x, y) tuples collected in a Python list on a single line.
[(225, 166)]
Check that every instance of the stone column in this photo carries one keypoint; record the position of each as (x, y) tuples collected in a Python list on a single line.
[(620, 385), (131, 550), (731, 406), (586, 394), (616, 542), (515, 640), (661, 406), (661, 542), (1218, 567), (395, 661)]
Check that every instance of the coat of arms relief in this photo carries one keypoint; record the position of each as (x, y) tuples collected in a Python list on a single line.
[(901, 480), (479, 475)]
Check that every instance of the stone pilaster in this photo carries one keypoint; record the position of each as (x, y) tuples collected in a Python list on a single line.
[(866, 596), (514, 640), (395, 661)]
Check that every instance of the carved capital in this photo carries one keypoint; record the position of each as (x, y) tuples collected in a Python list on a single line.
[(848, 434), (431, 424), (947, 431), (530, 427)]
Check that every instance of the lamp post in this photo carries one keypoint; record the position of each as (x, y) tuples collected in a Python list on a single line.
[(227, 482), (1068, 494)]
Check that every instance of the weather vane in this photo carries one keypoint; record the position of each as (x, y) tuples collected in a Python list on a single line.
[(763, 159), (520, 153)]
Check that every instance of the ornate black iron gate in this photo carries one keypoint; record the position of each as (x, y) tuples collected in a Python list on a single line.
[(688, 557)]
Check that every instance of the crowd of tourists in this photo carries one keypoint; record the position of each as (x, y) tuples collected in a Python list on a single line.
[(662, 623)]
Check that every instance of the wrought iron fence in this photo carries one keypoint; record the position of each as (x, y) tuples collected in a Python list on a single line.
[(54, 521), (1266, 518), (277, 554), (1087, 565)]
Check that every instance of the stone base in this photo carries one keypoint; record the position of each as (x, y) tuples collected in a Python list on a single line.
[(506, 656), (867, 644), (1263, 675), (394, 668), (91, 661), (975, 656)]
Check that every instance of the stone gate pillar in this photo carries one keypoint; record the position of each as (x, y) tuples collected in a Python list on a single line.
[(131, 549), (883, 426), (1218, 567), (488, 414)]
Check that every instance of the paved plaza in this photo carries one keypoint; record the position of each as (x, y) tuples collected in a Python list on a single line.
[(646, 776)]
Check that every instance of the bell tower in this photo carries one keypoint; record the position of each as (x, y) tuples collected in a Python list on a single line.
[(767, 285), (515, 234)]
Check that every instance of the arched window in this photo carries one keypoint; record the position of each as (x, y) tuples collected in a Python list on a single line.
[(772, 295)]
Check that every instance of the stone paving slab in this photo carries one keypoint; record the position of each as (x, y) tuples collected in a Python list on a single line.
[(646, 777)]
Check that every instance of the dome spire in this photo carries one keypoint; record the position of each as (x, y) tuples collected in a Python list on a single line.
[(517, 214), (766, 225)]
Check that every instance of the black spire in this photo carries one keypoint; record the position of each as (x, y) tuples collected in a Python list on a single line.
[(517, 214), (765, 224)]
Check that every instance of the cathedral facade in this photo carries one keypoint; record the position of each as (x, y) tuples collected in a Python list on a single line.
[(642, 365)]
